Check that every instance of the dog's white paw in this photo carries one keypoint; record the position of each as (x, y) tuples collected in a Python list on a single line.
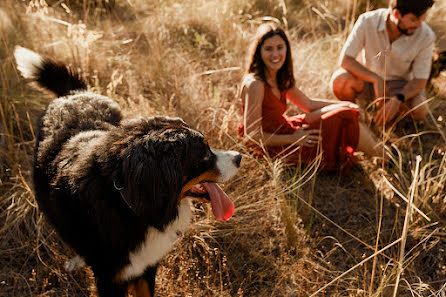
[(74, 264)]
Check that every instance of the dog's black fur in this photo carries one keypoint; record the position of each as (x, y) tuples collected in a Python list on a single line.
[(103, 181)]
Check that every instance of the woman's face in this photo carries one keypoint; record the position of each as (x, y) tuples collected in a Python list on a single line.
[(273, 53)]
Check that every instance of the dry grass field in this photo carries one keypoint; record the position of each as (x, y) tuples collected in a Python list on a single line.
[(296, 231)]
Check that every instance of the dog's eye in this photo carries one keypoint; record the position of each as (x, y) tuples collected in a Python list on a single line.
[(207, 157)]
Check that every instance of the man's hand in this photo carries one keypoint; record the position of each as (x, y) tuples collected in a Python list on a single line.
[(388, 109)]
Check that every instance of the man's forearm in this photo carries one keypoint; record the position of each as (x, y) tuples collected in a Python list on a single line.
[(413, 88), (357, 69)]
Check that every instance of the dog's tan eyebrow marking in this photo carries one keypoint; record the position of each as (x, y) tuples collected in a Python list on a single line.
[(142, 289), (119, 276)]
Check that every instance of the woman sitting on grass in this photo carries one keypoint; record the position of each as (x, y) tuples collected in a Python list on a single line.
[(329, 125)]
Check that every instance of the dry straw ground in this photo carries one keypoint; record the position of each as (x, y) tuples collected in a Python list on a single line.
[(295, 232)]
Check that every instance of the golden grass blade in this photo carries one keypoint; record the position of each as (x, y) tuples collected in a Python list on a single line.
[(375, 260), (218, 71), (406, 225), (405, 199)]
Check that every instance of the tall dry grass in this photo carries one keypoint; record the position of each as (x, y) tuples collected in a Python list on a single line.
[(296, 231)]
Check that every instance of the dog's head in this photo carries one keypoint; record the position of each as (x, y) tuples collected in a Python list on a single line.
[(162, 161)]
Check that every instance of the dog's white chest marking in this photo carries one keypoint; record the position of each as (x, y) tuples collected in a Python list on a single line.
[(157, 244)]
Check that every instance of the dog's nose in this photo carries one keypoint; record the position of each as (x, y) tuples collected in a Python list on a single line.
[(237, 160)]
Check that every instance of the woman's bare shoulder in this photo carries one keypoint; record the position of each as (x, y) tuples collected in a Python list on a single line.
[(252, 82), (251, 87)]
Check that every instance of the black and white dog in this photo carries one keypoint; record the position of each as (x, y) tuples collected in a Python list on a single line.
[(115, 189)]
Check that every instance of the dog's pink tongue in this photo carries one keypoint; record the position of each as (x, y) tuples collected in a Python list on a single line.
[(222, 206)]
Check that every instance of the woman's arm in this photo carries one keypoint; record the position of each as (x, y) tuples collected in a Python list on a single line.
[(315, 107), (308, 104), (252, 94)]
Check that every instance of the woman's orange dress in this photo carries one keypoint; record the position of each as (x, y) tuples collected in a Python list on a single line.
[(339, 131)]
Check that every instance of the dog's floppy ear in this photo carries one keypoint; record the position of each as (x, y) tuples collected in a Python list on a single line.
[(151, 178)]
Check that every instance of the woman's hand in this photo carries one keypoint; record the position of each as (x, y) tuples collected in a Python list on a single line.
[(315, 116), (339, 104), (306, 137), (352, 105)]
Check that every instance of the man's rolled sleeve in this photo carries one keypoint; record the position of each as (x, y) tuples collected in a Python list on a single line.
[(422, 64), (356, 40)]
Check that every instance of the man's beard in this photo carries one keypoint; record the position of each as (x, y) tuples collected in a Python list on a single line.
[(404, 31)]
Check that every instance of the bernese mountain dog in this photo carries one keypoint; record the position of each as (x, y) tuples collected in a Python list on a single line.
[(116, 189)]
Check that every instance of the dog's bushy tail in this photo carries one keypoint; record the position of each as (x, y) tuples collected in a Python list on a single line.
[(53, 76)]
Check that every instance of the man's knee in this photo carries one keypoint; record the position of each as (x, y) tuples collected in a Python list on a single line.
[(420, 107), (345, 86), (420, 113)]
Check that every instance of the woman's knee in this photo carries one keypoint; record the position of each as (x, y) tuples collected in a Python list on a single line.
[(349, 114)]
